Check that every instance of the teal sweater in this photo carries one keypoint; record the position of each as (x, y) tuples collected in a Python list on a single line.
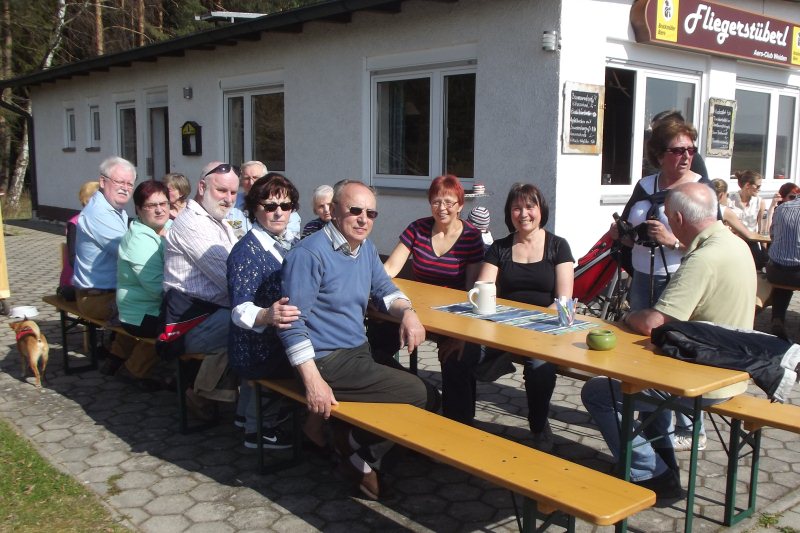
[(140, 271)]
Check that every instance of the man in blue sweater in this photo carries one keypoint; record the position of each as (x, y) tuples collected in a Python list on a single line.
[(331, 276)]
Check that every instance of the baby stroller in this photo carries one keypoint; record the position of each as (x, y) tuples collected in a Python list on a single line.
[(601, 285)]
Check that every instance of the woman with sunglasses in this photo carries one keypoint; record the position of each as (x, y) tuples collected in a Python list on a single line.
[(670, 149), (786, 193), (446, 251), (258, 309), (746, 203), (140, 273), (656, 252)]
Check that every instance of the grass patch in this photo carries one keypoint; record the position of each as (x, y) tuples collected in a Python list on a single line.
[(767, 520), (34, 496)]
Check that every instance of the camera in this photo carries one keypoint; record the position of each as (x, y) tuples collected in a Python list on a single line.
[(637, 234)]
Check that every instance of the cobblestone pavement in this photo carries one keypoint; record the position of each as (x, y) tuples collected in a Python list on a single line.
[(123, 444)]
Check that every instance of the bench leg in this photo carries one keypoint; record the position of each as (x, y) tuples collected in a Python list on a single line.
[(739, 439), (530, 514), (67, 324)]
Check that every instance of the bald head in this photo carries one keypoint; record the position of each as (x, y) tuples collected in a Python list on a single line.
[(690, 208)]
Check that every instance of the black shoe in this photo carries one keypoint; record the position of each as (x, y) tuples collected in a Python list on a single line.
[(272, 438), (238, 421), (666, 485)]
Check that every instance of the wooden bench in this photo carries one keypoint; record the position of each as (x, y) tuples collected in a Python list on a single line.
[(748, 416), (552, 488), (70, 318)]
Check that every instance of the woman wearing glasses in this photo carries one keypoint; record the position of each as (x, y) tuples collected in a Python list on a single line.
[(656, 252), (140, 271), (258, 309), (446, 251), (746, 203), (670, 149)]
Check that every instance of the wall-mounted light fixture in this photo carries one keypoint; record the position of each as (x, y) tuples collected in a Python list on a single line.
[(187, 93), (550, 41)]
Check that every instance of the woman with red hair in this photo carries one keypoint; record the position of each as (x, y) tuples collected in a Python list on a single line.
[(446, 251)]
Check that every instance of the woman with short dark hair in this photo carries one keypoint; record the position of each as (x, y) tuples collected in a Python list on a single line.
[(533, 266)]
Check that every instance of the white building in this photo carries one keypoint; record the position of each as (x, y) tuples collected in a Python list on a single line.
[(396, 92)]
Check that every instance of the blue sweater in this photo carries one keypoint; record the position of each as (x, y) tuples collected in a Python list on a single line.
[(332, 290), (254, 275)]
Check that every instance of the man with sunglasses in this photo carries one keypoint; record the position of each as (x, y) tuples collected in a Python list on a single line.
[(101, 225), (197, 306), (716, 282), (331, 276)]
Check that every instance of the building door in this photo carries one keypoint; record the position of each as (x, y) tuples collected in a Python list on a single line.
[(158, 157)]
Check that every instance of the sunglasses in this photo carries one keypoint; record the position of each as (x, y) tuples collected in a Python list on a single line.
[(356, 211), (224, 168), (272, 206), (791, 196), (680, 150)]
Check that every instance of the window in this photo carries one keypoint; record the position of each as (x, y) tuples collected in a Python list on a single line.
[(255, 124), (423, 125), (763, 138), (69, 129), (127, 131), (94, 127), (633, 98)]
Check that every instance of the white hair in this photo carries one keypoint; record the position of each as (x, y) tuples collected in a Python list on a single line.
[(321, 191), (695, 201), (108, 165)]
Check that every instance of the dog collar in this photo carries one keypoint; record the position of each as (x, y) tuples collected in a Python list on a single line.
[(24, 332)]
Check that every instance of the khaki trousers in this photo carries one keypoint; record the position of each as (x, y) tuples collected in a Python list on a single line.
[(140, 357)]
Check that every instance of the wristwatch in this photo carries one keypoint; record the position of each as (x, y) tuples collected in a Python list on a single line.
[(677, 245)]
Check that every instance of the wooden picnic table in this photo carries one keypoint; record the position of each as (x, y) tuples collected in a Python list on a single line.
[(632, 362)]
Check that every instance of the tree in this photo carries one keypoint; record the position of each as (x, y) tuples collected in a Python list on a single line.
[(47, 33)]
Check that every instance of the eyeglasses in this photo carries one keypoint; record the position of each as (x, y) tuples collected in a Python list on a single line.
[(356, 211), (250, 178), (791, 196), (680, 150), (118, 183), (154, 205), (224, 168), (446, 203), (272, 206)]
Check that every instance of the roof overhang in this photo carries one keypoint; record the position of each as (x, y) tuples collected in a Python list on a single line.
[(334, 11)]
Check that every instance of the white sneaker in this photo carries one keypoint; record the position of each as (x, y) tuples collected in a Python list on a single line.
[(683, 443)]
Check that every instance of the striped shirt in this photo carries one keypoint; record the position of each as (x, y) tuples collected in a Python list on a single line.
[(449, 269), (785, 247), (196, 255)]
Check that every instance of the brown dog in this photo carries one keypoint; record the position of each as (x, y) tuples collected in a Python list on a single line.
[(32, 348)]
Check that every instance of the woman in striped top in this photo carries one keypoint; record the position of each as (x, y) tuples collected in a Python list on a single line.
[(446, 251)]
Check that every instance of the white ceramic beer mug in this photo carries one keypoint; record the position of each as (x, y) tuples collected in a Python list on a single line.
[(483, 298)]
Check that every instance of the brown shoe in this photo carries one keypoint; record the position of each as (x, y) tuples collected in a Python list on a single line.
[(200, 407), (367, 484)]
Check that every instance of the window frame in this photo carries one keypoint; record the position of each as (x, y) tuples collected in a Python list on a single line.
[(247, 95), (775, 92), (70, 129), (124, 106), (92, 127), (434, 65), (643, 72)]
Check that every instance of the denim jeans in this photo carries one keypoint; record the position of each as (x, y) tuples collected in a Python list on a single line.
[(639, 295), (211, 334), (602, 398)]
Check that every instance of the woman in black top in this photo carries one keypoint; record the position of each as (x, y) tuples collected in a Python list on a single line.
[(533, 266)]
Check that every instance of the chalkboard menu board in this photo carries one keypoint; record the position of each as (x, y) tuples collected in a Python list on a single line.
[(721, 120), (583, 118)]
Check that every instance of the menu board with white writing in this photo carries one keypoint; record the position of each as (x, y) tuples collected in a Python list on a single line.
[(721, 120), (583, 118)]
